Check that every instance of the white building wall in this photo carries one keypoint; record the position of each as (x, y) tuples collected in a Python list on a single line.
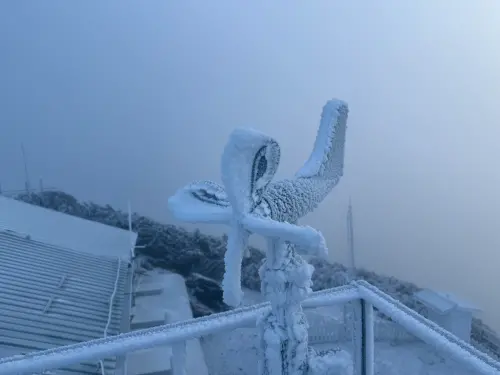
[(461, 324), (458, 322)]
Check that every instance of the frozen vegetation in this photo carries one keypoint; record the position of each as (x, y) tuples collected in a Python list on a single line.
[(200, 258)]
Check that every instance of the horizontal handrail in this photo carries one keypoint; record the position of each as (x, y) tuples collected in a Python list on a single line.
[(156, 336), (171, 333), (427, 330)]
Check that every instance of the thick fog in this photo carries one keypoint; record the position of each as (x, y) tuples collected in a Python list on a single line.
[(118, 100)]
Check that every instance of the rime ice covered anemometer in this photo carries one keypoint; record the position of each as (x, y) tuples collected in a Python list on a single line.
[(250, 202)]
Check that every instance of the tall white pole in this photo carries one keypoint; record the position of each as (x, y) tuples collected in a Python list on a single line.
[(354, 313), (27, 181)]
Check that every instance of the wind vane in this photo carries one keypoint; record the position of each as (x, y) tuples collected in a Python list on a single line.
[(250, 202)]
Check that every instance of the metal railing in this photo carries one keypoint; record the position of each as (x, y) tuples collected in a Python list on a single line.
[(177, 333)]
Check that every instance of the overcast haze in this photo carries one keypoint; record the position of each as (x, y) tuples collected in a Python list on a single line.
[(118, 99)]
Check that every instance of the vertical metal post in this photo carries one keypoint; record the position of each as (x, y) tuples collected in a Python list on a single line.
[(178, 360), (356, 317), (41, 185), (368, 338), (364, 338), (27, 179), (350, 239)]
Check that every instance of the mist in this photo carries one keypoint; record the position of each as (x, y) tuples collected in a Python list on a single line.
[(123, 100)]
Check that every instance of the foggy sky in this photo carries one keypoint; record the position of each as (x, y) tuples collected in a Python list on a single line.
[(118, 100)]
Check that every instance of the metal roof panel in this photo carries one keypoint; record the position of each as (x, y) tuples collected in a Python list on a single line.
[(52, 296)]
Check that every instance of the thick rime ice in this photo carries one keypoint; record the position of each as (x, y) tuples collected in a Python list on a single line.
[(237, 242), (250, 203), (306, 237), (249, 162), (201, 202), (327, 157)]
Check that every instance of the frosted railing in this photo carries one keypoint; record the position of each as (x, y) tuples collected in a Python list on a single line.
[(177, 333)]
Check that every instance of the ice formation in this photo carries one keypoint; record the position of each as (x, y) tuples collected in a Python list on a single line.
[(249, 202)]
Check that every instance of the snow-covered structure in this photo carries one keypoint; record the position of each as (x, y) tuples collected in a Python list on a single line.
[(59, 287), (56, 228), (449, 311), (161, 297), (249, 202), (65, 280)]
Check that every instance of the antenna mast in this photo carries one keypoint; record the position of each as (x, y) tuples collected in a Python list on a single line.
[(26, 176)]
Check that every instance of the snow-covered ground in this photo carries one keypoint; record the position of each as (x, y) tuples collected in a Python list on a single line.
[(236, 353)]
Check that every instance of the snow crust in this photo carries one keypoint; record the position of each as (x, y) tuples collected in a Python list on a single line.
[(331, 362)]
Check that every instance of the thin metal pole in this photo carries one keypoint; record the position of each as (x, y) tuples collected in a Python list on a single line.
[(358, 331), (178, 359), (351, 311), (27, 179), (368, 338), (350, 237)]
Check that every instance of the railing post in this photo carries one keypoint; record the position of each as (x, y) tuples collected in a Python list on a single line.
[(363, 337), (356, 320), (368, 338), (178, 360)]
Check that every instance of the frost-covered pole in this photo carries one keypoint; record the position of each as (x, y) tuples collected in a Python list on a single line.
[(350, 239), (27, 179), (352, 310), (178, 359), (368, 339), (249, 202)]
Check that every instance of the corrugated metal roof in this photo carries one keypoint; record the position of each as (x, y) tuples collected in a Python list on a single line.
[(57, 228), (52, 296)]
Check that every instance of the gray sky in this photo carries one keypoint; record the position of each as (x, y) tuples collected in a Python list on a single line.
[(120, 99)]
